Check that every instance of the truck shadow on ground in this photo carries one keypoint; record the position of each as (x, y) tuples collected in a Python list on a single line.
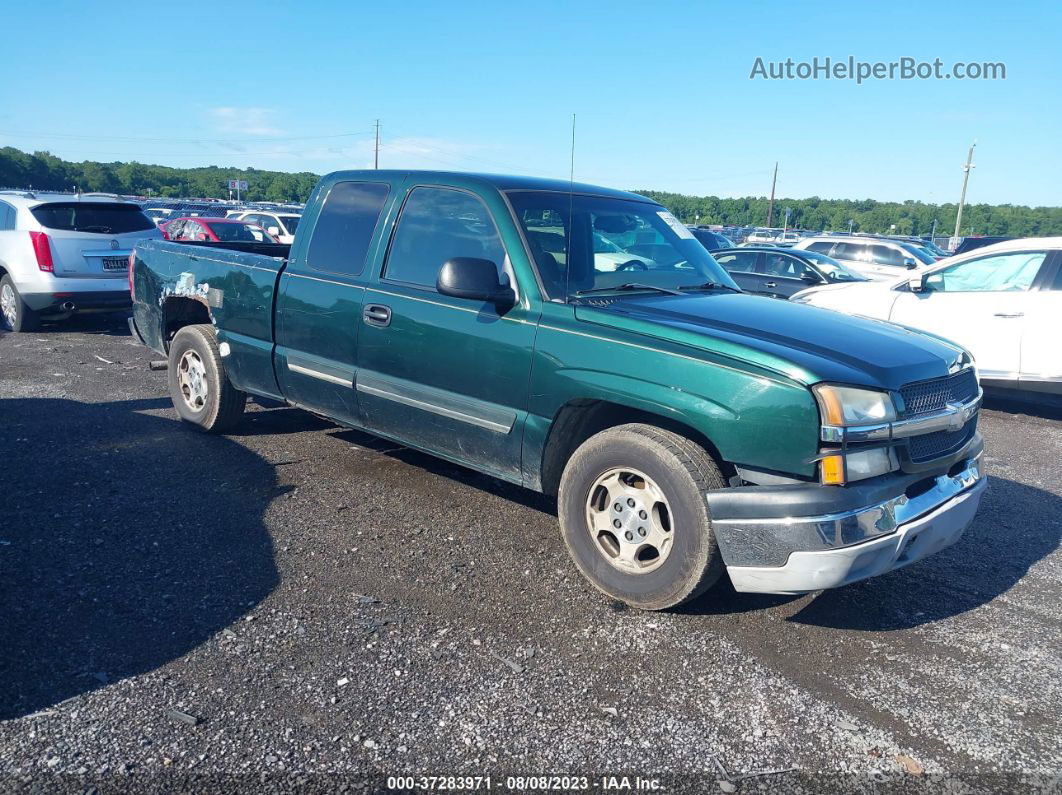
[(122, 548), (1016, 527)]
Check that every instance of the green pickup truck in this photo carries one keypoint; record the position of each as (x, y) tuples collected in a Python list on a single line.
[(581, 342)]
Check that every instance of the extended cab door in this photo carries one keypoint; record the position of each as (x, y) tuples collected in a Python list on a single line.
[(979, 303), (442, 374), (319, 301)]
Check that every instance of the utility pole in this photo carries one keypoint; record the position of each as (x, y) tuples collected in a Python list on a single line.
[(965, 180), (770, 207), (376, 156)]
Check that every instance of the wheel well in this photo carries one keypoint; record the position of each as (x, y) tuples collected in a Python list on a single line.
[(578, 420), (180, 312)]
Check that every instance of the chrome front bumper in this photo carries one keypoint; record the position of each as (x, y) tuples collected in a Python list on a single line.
[(809, 553)]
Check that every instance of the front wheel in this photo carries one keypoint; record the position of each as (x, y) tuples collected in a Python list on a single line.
[(634, 518), (199, 386)]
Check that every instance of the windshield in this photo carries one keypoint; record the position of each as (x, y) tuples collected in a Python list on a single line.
[(95, 217), (291, 222), (584, 243), (833, 269)]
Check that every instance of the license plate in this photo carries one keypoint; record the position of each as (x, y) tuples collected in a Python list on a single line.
[(115, 263)]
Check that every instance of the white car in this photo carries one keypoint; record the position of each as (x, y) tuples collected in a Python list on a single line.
[(1001, 302), (280, 225), (65, 253), (873, 257)]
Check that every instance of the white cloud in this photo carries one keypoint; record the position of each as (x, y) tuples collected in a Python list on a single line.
[(245, 121)]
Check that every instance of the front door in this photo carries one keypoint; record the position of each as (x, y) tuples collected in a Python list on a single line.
[(980, 304), (319, 302), (443, 374)]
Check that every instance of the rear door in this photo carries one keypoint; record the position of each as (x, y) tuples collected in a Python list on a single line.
[(92, 239), (447, 375), (319, 301), (743, 268)]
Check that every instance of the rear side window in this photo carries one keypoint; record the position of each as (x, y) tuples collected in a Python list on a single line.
[(340, 238), (7, 217), (105, 218), (886, 255), (822, 246)]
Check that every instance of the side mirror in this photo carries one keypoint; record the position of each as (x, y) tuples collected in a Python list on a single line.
[(811, 277), (910, 263), (473, 278), (917, 285), (273, 230)]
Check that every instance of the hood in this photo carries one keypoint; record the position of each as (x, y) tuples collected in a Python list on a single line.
[(802, 342)]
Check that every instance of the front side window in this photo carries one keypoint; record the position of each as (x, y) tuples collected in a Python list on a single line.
[(436, 225), (647, 245), (339, 241), (786, 266), (291, 223), (1001, 273), (105, 218), (822, 246)]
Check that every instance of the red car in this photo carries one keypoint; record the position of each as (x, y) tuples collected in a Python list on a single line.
[(214, 230)]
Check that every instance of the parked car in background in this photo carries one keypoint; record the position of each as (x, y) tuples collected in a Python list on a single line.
[(711, 239), (160, 215), (215, 230), (782, 272), (873, 257), (65, 253), (937, 251), (970, 243), (1002, 302), (282, 226), (762, 236), (788, 238)]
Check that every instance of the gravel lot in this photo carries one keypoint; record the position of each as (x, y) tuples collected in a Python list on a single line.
[(323, 608)]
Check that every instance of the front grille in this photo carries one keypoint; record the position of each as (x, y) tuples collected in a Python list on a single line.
[(926, 397), (940, 443)]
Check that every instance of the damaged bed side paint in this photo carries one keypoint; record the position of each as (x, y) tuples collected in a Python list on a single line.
[(237, 300)]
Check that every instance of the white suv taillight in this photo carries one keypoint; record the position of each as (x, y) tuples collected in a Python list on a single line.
[(43, 249)]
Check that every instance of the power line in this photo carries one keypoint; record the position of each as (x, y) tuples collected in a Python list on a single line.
[(259, 139)]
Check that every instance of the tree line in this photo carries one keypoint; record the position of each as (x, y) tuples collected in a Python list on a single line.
[(45, 171)]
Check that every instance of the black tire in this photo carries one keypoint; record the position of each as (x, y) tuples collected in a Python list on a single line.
[(23, 318), (218, 406), (683, 471)]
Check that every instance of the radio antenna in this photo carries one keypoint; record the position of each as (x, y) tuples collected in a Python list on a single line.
[(571, 220)]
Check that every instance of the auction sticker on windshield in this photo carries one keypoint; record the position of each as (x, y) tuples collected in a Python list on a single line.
[(676, 224)]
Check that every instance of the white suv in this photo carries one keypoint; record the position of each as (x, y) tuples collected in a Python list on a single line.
[(874, 257), (64, 253)]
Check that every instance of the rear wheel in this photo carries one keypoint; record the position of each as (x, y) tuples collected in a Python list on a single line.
[(17, 316), (633, 515), (199, 386)]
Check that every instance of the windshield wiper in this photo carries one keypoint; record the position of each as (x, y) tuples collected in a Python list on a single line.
[(711, 286), (629, 286)]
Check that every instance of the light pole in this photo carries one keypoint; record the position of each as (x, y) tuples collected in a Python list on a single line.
[(851, 221), (962, 197)]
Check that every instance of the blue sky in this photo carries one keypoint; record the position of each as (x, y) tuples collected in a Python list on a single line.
[(661, 91)]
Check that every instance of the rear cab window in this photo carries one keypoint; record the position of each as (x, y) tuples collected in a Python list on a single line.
[(105, 218), (340, 239)]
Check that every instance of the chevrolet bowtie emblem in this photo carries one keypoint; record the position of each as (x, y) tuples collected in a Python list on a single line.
[(957, 418)]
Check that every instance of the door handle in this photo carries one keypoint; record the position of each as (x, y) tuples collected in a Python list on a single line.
[(770, 284), (377, 315), (1009, 314)]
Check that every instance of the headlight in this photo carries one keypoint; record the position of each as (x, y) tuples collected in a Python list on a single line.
[(845, 405)]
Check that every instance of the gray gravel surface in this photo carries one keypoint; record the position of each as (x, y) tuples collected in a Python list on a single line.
[(300, 605)]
